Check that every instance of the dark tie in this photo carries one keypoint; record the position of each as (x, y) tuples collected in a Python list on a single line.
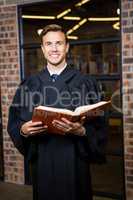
[(54, 77)]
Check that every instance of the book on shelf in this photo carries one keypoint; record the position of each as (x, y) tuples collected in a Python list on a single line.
[(47, 114)]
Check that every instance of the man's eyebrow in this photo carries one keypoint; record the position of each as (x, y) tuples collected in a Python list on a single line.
[(58, 41), (47, 41)]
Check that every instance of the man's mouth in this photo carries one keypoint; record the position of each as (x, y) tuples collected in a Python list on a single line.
[(54, 55)]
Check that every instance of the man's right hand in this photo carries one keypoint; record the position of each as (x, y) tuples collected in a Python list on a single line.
[(33, 128)]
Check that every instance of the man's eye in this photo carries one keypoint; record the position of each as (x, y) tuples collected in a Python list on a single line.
[(59, 43), (48, 43)]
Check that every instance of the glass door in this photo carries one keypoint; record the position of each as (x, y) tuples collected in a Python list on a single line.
[(101, 59)]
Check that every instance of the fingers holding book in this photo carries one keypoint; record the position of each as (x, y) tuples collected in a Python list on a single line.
[(82, 120), (68, 127), (32, 128)]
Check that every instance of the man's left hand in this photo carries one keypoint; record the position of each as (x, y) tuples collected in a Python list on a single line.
[(67, 126)]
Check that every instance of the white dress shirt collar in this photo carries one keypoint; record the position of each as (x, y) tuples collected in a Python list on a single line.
[(58, 72)]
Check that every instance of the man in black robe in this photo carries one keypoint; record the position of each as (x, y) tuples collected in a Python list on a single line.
[(60, 162)]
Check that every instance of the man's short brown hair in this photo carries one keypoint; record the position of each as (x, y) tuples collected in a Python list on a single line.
[(54, 28)]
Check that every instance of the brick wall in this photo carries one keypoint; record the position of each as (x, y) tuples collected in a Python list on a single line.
[(9, 79), (127, 72)]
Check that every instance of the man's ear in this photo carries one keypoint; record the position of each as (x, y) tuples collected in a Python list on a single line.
[(67, 47), (42, 48)]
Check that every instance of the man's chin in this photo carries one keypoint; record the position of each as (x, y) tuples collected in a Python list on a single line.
[(55, 63)]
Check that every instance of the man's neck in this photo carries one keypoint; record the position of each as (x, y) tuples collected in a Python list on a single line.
[(56, 69)]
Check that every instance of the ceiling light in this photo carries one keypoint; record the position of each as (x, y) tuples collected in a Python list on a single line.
[(118, 11), (71, 18), (104, 19), (39, 31), (63, 13), (76, 26), (70, 31), (82, 22), (81, 3), (116, 25), (37, 17), (72, 37)]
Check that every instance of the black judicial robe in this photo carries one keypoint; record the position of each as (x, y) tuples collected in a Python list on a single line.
[(60, 163)]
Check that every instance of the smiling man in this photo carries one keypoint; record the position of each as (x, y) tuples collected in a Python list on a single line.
[(60, 161), (55, 49)]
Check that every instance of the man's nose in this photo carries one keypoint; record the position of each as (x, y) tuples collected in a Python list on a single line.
[(54, 47)]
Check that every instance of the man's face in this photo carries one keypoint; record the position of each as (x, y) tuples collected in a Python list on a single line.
[(54, 47)]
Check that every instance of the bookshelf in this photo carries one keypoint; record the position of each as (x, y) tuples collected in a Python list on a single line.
[(101, 59)]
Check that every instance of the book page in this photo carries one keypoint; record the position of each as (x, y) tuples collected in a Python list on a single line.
[(57, 110), (81, 109)]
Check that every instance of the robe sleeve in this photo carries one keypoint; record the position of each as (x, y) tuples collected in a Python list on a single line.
[(15, 122), (96, 127), (20, 112)]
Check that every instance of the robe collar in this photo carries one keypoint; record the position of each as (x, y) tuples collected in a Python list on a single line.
[(58, 72), (64, 78)]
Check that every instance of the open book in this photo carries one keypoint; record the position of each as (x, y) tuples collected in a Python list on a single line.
[(48, 114)]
